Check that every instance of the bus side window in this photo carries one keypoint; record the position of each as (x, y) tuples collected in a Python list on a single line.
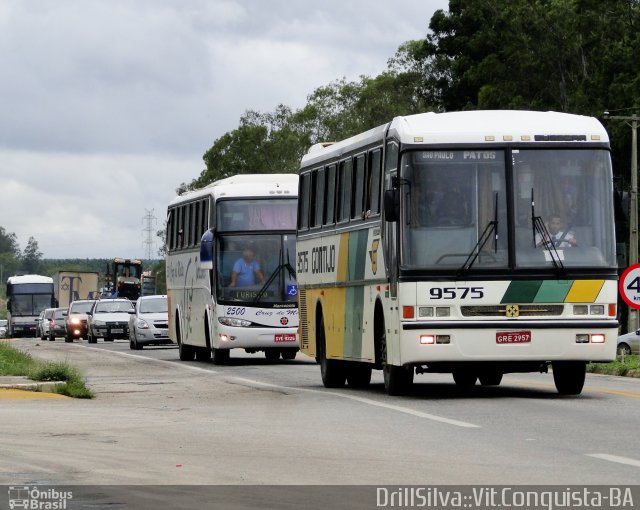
[(372, 201), (358, 187), (330, 209), (303, 220)]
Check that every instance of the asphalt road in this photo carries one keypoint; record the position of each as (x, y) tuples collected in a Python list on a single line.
[(157, 420)]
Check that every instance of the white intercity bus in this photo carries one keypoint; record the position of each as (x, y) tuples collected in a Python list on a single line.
[(475, 243), (230, 262)]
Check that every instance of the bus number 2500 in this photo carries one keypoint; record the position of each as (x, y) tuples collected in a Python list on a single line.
[(456, 292)]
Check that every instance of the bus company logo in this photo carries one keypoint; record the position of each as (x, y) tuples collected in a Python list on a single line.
[(37, 499), (373, 255), (284, 321), (512, 311)]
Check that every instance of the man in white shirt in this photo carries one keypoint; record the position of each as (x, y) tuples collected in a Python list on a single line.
[(557, 236)]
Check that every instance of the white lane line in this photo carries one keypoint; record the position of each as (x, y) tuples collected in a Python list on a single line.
[(145, 358), (615, 458), (368, 401), (362, 400)]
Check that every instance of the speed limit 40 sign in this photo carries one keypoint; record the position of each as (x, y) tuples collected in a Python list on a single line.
[(629, 286)]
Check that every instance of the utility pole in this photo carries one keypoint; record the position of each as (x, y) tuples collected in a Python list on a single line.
[(632, 121), (150, 220)]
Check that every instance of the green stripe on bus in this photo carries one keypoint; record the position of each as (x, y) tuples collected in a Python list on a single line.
[(521, 291), (354, 305), (553, 291), (357, 254)]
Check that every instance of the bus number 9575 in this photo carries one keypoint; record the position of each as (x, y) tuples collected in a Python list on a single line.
[(456, 292)]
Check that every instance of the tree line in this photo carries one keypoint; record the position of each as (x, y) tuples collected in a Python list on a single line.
[(576, 56)]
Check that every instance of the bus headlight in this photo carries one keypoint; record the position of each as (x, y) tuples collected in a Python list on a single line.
[(232, 321)]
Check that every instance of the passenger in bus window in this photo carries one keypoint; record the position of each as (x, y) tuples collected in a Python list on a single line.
[(246, 270), (558, 237)]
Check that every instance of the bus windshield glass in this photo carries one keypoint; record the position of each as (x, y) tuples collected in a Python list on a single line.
[(256, 215), (24, 305), (454, 209), (256, 269), (455, 214), (572, 208)]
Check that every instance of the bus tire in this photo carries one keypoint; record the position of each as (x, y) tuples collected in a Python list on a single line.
[(186, 352), (272, 355), (332, 370), (464, 378), (203, 353), (289, 353), (490, 379), (220, 356), (569, 376), (358, 375), (397, 380)]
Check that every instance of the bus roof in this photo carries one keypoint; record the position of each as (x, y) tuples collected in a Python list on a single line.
[(478, 127), (246, 185), (29, 278)]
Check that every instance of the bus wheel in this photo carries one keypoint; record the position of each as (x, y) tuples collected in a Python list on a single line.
[(490, 379), (289, 353), (332, 370), (464, 378), (203, 353), (397, 380), (272, 355), (359, 375), (569, 376), (220, 356)]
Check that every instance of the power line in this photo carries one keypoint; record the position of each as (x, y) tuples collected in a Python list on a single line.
[(148, 240)]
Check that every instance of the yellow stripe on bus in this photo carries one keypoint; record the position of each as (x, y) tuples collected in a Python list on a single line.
[(584, 291)]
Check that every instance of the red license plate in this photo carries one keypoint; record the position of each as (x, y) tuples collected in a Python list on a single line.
[(285, 337), (513, 337)]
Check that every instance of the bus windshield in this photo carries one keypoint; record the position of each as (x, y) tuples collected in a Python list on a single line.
[(256, 215), (455, 214), (450, 199), (25, 305), (256, 268)]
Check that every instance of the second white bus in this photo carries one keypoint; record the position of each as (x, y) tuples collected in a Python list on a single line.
[(209, 231)]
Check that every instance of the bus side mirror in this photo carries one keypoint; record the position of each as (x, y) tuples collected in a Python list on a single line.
[(392, 205), (9, 304), (206, 250)]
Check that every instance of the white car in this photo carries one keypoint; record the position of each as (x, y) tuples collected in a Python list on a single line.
[(109, 319), (3, 328), (629, 343), (149, 322)]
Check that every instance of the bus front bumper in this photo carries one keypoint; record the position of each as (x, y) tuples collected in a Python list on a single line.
[(423, 343), (227, 337)]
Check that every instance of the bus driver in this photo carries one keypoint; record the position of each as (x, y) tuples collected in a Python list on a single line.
[(246, 270)]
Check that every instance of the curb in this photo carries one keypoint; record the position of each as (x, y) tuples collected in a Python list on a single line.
[(20, 383)]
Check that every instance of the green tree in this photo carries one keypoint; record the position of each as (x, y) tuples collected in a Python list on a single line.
[(31, 260)]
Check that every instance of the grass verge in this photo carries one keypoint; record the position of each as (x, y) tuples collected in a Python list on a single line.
[(624, 365), (16, 362)]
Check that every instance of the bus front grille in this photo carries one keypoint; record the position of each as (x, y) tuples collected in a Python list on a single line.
[(530, 310)]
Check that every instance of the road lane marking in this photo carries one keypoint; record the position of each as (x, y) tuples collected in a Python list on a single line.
[(362, 400), (146, 358), (615, 458), (368, 401), (587, 389)]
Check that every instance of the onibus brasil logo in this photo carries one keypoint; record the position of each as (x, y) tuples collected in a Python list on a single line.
[(38, 499)]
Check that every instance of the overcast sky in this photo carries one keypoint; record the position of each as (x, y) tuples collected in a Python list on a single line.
[(106, 106)]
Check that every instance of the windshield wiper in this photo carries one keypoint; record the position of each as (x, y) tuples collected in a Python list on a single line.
[(491, 228), (539, 227), (281, 267)]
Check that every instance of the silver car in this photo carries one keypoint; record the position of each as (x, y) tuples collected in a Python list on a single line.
[(3, 328), (629, 343), (148, 324), (109, 319)]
